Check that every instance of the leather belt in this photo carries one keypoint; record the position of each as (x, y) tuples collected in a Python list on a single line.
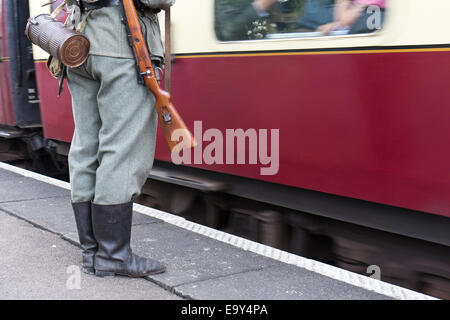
[(99, 4)]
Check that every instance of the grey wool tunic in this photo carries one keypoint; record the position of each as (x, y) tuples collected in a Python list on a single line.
[(109, 39)]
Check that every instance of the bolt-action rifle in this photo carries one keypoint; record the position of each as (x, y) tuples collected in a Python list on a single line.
[(171, 122)]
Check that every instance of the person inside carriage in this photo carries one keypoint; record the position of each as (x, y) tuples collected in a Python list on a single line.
[(258, 19), (235, 19)]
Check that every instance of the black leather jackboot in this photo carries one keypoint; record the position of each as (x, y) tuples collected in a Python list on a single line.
[(112, 229), (83, 218)]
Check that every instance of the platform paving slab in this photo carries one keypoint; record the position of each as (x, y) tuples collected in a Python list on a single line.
[(17, 188), (53, 214), (192, 257), (37, 264), (7, 175), (282, 282)]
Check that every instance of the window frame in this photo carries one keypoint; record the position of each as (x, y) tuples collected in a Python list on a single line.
[(375, 33)]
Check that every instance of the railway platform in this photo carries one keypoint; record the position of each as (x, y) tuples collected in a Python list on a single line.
[(202, 263)]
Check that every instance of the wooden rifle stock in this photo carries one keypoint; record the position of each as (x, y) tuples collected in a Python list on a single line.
[(171, 122)]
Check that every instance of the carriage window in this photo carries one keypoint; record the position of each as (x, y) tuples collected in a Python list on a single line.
[(275, 19)]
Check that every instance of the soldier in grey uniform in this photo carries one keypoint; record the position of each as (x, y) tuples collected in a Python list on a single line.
[(113, 144)]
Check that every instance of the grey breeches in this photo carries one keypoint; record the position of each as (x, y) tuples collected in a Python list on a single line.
[(113, 144)]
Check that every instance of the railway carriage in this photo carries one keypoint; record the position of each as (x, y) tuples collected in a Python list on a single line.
[(363, 123)]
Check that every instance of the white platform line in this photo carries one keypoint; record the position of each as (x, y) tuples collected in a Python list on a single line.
[(351, 278)]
